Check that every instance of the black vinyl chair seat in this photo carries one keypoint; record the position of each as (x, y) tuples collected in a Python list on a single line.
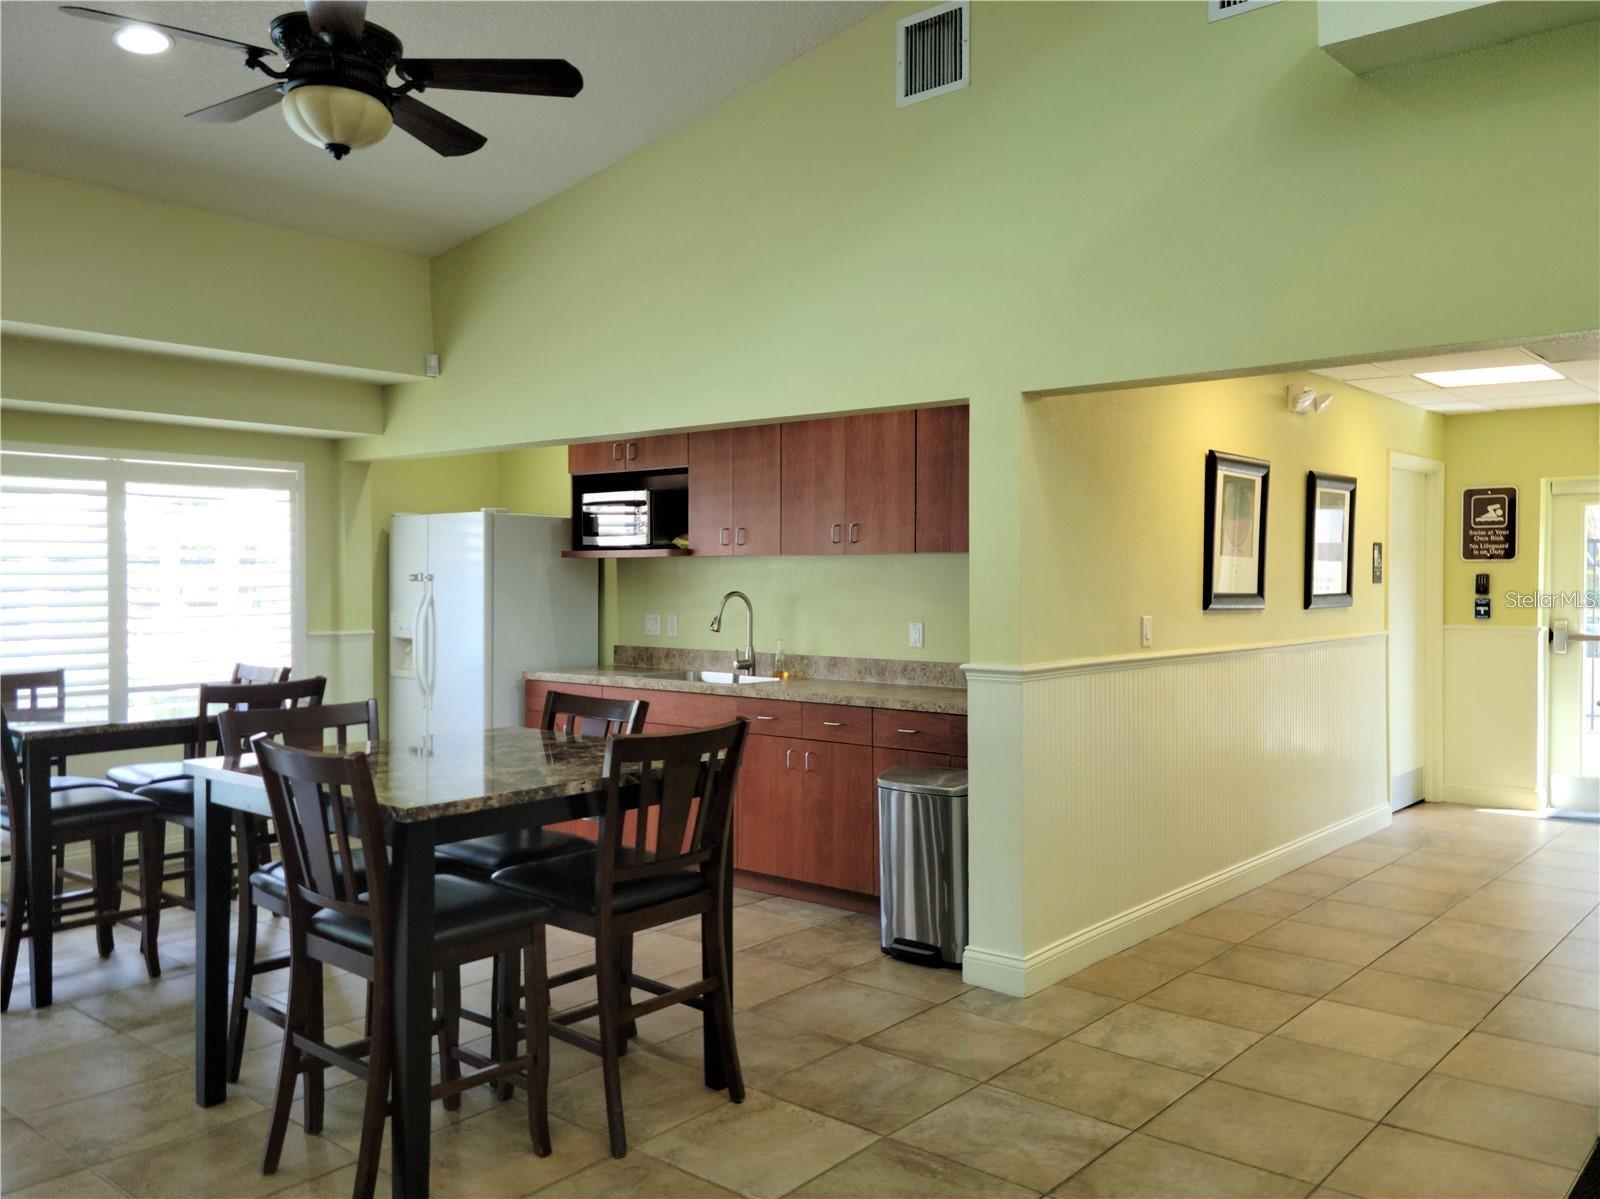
[(141, 774), (485, 855), (69, 782), (568, 883), (270, 882), (464, 910), (88, 805), (175, 796)]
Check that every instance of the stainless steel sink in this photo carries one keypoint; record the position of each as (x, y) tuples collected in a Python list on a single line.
[(724, 676)]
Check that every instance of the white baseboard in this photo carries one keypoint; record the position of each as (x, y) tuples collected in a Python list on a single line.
[(1528, 799), (1014, 975)]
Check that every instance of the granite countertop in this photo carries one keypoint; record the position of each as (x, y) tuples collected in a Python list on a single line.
[(859, 694)]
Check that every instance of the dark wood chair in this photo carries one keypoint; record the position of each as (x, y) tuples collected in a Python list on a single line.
[(175, 796), (97, 815), (42, 695), (322, 803), (263, 887), (666, 863)]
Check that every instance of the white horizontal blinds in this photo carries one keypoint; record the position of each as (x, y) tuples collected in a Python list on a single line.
[(55, 581), (210, 582)]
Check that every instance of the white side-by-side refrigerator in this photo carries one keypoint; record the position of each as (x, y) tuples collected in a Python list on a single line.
[(475, 599)]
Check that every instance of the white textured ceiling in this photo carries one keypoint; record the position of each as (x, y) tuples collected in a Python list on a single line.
[(1576, 359), (73, 105)]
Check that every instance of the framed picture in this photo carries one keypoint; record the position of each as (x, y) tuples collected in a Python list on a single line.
[(1236, 532), (1330, 539)]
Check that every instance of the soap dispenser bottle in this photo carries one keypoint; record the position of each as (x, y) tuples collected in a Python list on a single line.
[(780, 665)]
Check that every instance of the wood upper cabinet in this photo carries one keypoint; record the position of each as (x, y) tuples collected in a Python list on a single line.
[(942, 435), (813, 473), (881, 483), (594, 457), (735, 491), (670, 452)]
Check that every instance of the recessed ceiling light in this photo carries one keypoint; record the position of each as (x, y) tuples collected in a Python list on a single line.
[(141, 39), (1522, 372)]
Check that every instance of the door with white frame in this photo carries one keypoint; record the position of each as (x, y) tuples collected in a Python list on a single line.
[(1414, 588), (1572, 599)]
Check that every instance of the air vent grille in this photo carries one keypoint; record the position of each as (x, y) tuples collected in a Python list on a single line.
[(932, 53), (1217, 9)]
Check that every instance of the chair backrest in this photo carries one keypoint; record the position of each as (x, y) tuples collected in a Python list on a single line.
[(34, 694), (684, 785), (313, 797), (591, 716), (300, 728), (11, 776), (243, 673), (253, 697)]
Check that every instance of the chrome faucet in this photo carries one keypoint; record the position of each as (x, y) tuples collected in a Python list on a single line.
[(744, 658)]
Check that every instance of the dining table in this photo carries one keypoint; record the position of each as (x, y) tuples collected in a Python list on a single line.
[(430, 790), (41, 743)]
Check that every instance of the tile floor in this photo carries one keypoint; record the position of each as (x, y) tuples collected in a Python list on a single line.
[(1413, 1015)]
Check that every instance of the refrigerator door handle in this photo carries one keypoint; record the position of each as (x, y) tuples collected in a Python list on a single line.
[(419, 643), (431, 651)]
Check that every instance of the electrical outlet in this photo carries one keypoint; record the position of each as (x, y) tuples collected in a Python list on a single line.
[(916, 634), (652, 624), (1146, 632), (672, 624)]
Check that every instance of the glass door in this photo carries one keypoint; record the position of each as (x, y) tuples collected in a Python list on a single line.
[(1573, 594)]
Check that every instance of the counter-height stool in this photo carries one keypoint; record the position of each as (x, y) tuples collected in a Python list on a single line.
[(262, 886), (42, 695), (321, 803), (92, 814), (669, 862)]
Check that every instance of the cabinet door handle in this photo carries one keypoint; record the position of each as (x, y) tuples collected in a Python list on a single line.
[(806, 760), (633, 450), (769, 718), (616, 451), (855, 532), (722, 539), (788, 758), (833, 724), (907, 732), (835, 534), (739, 536)]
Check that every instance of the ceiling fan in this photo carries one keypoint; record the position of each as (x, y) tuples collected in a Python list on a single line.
[(334, 86)]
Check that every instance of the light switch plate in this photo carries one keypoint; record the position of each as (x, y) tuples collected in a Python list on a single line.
[(652, 624), (916, 634), (1146, 631), (672, 624)]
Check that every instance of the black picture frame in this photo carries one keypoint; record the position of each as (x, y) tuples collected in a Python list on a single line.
[(1219, 592), (1318, 482)]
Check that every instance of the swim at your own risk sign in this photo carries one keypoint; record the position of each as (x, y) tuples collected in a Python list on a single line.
[(1489, 524)]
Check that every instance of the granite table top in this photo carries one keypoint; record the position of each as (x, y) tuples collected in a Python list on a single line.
[(450, 774), (911, 698)]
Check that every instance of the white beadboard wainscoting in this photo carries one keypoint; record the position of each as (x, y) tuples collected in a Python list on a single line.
[(1494, 701), (345, 657), (1152, 787)]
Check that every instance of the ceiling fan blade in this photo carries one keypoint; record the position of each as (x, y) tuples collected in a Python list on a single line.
[(238, 108), (442, 134), (193, 35), (341, 20), (521, 76)]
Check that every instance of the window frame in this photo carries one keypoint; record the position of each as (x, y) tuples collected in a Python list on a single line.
[(118, 467)]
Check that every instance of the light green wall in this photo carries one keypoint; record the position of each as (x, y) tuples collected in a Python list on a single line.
[(108, 265), (535, 480), (850, 607), (1520, 449)]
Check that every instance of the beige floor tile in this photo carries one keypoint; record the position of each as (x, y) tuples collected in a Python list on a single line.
[(1401, 899), (229, 1165), (84, 1184), (59, 1076), (633, 1177), (752, 925), (28, 1157), (1308, 882), (26, 1031), (1227, 924), (1384, 1035), (657, 1094), (758, 979), (160, 1001), (904, 978), (1058, 1010), (762, 1148), (1525, 1019), (1575, 954), (1515, 1122), (1554, 984), (893, 1170), (1032, 1144), (1266, 902), (1524, 1066), (1512, 943), (767, 1047), (802, 910), (490, 1156), (1260, 1130), (1280, 971), (960, 1042), (1557, 899), (1558, 859), (1183, 950), (1395, 1164), (1358, 917), (1463, 967), (838, 1008), (1323, 1077), (866, 1087), (100, 1127), (1502, 913), (1442, 1003), (1341, 866), (1371, 852), (1108, 1086), (338, 1184), (1542, 875), (1588, 929), (1167, 1038), (1322, 941), (1122, 976), (1142, 1167), (1479, 869), (824, 949), (1227, 1001)]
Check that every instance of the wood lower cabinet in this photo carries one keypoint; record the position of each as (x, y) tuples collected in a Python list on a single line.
[(838, 844), (766, 812), (735, 493)]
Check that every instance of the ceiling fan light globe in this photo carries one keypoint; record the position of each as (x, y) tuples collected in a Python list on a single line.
[(336, 116)]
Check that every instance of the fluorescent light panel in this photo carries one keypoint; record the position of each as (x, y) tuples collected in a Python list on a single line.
[(1522, 372)]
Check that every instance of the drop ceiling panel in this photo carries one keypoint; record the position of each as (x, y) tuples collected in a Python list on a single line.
[(1397, 380)]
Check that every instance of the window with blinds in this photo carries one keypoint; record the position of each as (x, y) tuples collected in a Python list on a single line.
[(143, 579)]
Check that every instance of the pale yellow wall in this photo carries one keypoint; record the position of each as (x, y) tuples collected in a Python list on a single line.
[(535, 480), (1119, 500), (1519, 449), (112, 265)]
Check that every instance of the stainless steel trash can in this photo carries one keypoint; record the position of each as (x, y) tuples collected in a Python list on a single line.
[(922, 863)]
